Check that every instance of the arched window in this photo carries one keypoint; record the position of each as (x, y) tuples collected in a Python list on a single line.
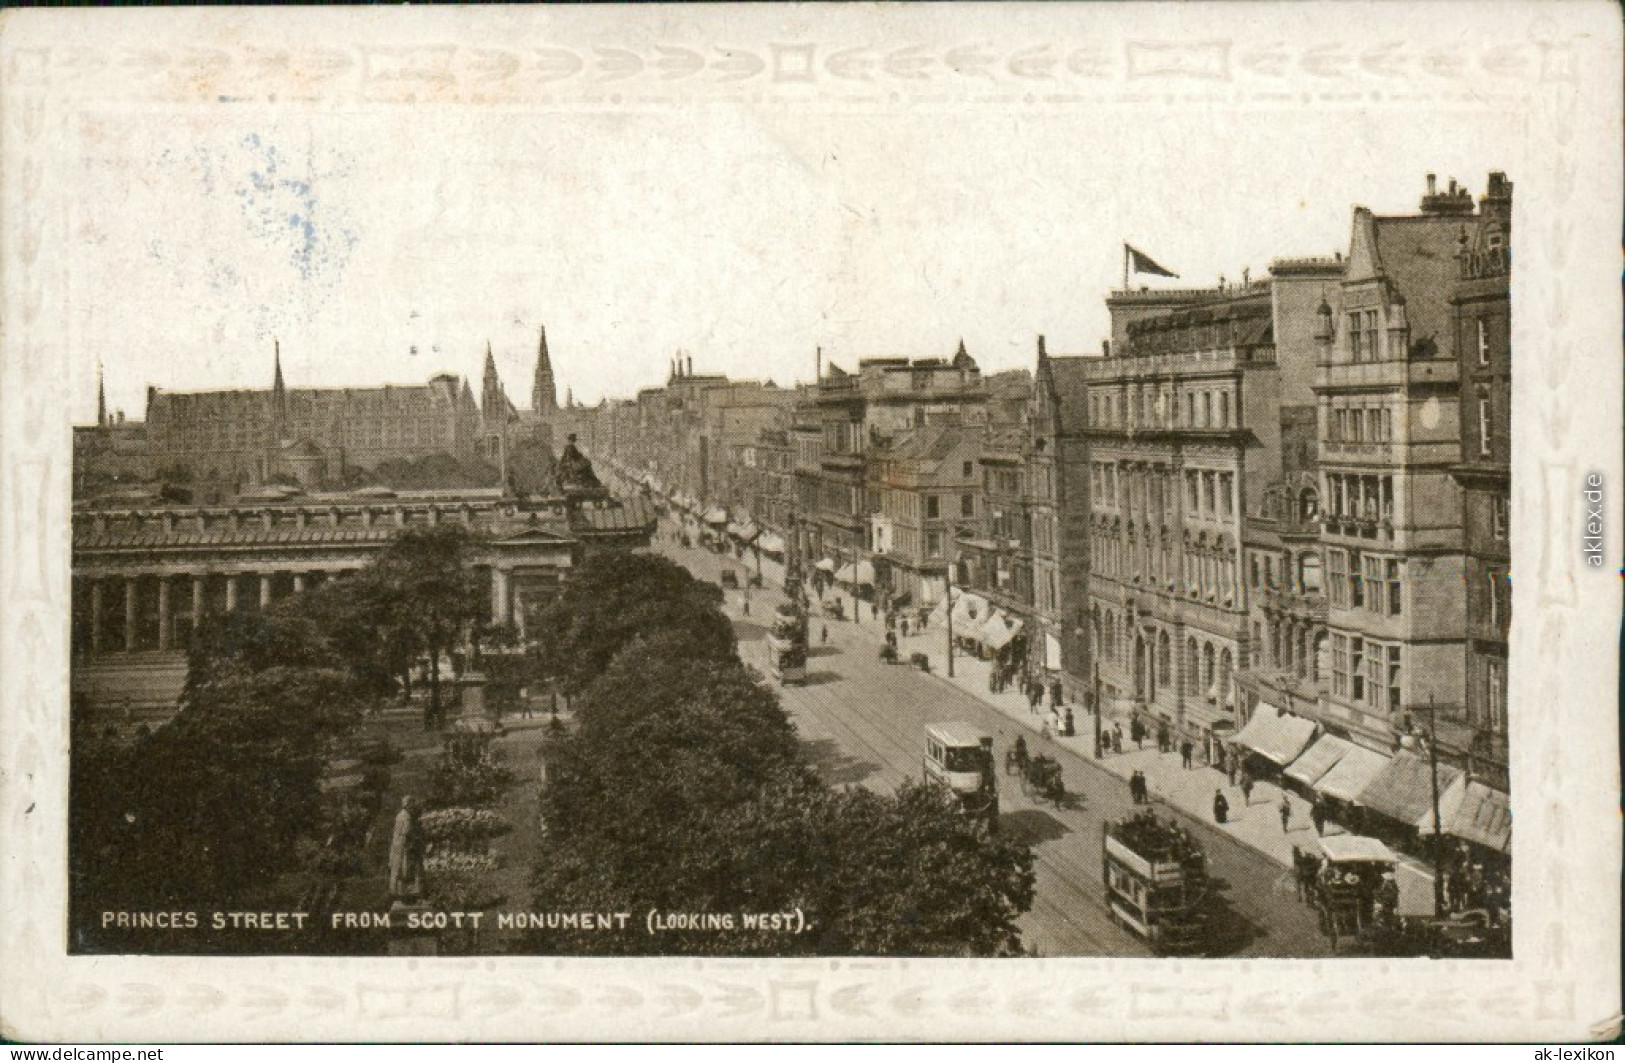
[(1209, 687), (1225, 668), (1190, 666), (1165, 659)]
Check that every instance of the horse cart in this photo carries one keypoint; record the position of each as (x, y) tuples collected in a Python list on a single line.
[(1157, 883)]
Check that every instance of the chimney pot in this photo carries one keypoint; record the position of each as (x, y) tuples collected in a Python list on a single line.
[(1433, 183)]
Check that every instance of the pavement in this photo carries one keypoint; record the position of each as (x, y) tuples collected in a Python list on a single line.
[(1256, 825)]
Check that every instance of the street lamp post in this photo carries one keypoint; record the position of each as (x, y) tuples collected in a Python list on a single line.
[(948, 608), (1438, 834), (1094, 695)]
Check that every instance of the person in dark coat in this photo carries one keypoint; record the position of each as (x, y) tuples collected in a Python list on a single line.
[(1055, 694), (1317, 815), (1185, 751), (1221, 807), (1163, 740), (1247, 786)]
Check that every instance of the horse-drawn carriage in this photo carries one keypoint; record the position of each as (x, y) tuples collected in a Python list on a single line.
[(1040, 776)]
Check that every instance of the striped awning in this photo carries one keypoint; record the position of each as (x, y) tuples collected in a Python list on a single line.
[(1404, 789), (1473, 812), (1318, 759), (1276, 736), (1352, 773)]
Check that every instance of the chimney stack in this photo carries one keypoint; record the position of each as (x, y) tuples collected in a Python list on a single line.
[(1433, 184)]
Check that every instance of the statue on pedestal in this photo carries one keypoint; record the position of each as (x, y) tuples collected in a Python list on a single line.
[(406, 854), (574, 475)]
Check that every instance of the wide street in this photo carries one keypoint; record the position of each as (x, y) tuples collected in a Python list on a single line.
[(863, 721)]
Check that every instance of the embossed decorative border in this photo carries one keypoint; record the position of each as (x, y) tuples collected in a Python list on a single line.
[(1545, 62)]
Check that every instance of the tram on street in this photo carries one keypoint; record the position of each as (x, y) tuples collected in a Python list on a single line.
[(959, 757), (1157, 883)]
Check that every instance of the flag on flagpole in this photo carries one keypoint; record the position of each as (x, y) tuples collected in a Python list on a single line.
[(1140, 262)]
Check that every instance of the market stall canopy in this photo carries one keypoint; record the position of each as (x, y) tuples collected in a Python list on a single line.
[(1318, 759), (968, 608), (1352, 773), (771, 544), (732, 529), (999, 630), (1356, 848), (716, 515), (1279, 738), (1473, 812), (1404, 789), (748, 531), (826, 565)]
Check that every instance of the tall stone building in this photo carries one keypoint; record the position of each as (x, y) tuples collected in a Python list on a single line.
[(1185, 425), (227, 440)]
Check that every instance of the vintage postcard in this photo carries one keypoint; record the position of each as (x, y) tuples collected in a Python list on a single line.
[(963, 522)]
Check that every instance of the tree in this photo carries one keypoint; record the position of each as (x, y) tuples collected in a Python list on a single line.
[(612, 600), (683, 788), (426, 592)]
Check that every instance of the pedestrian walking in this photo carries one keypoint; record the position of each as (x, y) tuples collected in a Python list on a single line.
[(823, 634), (1221, 807), (1163, 741), (1286, 813), (1317, 815), (1055, 693), (524, 703), (1247, 786), (1230, 764), (1117, 738), (1136, 732), (1035, 695), (905, 627), (1134, 787), (1185, 751)]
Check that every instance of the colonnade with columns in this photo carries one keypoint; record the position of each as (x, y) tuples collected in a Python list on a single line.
[(130, 611)]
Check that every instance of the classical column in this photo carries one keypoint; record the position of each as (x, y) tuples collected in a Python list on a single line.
[(197, 603), (97, 616), (166, 618), (499, 595), (231, 594), (265, 590), (298, 583), (129, 614)]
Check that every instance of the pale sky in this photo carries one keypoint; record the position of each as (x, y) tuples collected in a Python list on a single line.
[(744, 236)]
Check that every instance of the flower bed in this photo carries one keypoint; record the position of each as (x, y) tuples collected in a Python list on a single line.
[(452, 862), (461, 825)]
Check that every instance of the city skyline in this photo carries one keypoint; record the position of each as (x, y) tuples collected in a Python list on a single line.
[(773, 239)]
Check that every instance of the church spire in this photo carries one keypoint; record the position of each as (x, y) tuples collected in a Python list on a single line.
[(279, 395), (491, 395), (544, 395), (101, 397)]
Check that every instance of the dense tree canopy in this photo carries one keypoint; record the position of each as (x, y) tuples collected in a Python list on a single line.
[(683, 787), (614, 599)]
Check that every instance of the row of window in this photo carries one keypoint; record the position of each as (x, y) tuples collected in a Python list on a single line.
[(1144, 407), (1129, 556), (1364, 425), (1209, 494), (1365, 581), (1366, 672), (1266, 571), (1359, 497)]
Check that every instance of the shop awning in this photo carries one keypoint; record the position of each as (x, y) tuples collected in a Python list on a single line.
[(1473, 812), (826, 565), (1356, 848), (748, 531), (770, 543), (1279, 738), (1404, 789), (1318, 759), (1052, 652), (999, 630), (732, 529), (1352, 773), (969, 610), (716, 515), (862, 574)]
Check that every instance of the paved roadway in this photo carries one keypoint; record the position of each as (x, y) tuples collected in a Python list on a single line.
[(863, 722)]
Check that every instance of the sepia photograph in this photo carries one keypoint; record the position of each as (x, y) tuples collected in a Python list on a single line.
[(820, 486)]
